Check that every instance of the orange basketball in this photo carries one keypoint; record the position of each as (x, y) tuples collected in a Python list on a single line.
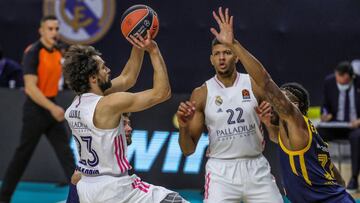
[(139, 19)]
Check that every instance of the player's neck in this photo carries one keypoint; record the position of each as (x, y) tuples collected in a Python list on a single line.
[(96, 90), (227, 81)]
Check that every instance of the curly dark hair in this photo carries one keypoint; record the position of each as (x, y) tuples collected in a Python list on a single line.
[(301, 94), (79, 65)]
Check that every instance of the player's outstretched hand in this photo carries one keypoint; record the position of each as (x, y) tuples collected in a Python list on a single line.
[(225, 23), (185, 113), (264, 112), (146, 44)]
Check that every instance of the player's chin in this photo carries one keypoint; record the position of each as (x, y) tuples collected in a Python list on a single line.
[(224, 71), (53, 40)]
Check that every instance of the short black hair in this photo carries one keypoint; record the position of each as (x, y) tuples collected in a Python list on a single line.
[(215, 42), (344, 67), (46, 18), (79, 65), (300, 93)]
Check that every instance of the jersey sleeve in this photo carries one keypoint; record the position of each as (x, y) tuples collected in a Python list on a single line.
[(30, 61)]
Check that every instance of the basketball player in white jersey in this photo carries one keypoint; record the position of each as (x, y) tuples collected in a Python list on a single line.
[(236, 169), (97, 125), (73, 197)]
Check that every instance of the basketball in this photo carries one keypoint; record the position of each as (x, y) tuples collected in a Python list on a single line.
[(139, 19)]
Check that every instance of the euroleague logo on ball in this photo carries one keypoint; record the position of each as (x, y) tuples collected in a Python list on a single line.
[(83, 22), (146, 23)]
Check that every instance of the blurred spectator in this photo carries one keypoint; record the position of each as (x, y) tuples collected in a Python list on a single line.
[(11, 74), (41, 113), (342, 103)]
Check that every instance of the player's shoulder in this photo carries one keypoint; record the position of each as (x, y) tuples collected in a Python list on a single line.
[(110, 98), (199, 95), (115, 102), (106, 104), (200, 91)]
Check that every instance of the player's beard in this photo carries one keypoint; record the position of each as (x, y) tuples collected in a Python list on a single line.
[(104, 85), (226, 73)]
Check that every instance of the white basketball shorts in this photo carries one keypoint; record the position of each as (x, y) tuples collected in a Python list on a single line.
[(127, 189), (236, 180)]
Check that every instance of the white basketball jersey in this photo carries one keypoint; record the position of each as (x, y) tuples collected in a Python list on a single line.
[(100, 151), (233, 125)]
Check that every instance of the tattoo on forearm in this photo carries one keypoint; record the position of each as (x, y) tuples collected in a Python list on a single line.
[(277, 99)]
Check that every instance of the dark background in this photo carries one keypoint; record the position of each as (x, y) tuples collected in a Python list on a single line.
[(299, 40)]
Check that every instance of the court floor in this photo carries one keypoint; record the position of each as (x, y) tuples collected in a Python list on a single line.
[(50, 193)]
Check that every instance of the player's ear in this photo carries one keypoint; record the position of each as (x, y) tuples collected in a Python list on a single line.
[(211, 59), (297, 104), (93, 79)]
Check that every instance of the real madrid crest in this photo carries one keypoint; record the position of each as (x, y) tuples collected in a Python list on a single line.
[(81, 21), (218, 100)]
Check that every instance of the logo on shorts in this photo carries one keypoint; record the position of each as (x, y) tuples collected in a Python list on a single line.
[(218, 100), (83, 22), (245, 94)]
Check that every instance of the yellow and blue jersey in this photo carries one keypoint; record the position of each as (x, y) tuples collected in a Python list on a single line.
[(308, 173)]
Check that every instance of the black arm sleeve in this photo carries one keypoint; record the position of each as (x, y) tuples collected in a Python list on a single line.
[(31, 60)]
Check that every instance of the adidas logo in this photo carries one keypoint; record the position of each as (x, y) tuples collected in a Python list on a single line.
[(219, 110)]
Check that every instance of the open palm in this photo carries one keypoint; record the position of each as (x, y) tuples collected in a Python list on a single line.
[(225, 22)]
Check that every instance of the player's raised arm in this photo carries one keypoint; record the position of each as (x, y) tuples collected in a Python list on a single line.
[(130, 73), (133, 102)]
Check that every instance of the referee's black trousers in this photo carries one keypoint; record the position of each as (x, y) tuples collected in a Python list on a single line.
[(37, 121)]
